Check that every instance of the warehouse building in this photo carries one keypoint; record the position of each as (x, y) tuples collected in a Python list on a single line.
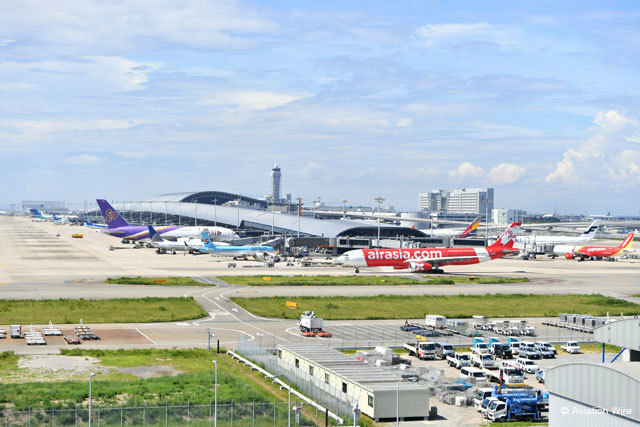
[(602, 394), (373, 389)]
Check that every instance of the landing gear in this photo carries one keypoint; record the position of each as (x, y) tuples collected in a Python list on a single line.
[(357, 270), (437, 271)]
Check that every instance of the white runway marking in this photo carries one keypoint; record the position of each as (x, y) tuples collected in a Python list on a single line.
[(152, 341)]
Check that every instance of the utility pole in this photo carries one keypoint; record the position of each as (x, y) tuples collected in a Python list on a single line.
[(379, 199), (196, 212), (344, 209), (215, 212), (486, 218), (238, 213)]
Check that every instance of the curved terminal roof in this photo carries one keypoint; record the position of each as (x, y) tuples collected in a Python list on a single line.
[(209, 197), (239, 217)]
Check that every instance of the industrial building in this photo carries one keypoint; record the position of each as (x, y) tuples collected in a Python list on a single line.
[(44, 206), (478, 201), (602, 394), (375, 390)]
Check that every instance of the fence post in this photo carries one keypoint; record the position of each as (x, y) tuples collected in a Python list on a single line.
[(53, 415), (326, 417), (29, 416), (121, 415), (76, 423), (232, 413), (253, 413), (275, 407), (166, 413), (209, 413), (144, 414), (98, 415), (188, 413)]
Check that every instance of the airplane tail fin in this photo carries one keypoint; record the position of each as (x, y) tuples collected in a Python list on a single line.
[(36, 212), (153, 235), (471, 229), (111, 216), (206, 240), (507, 239), (627, 242), (590, 232)]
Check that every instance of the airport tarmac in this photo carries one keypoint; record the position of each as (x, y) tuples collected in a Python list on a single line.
[(36, 263)]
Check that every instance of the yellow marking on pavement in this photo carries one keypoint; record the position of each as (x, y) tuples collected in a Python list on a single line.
[(246, 292), (4, 283)]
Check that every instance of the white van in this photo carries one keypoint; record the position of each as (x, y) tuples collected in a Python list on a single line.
[(468, 373)]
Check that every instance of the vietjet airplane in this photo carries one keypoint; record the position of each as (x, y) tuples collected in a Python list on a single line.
[(582, 253), (431, 259)]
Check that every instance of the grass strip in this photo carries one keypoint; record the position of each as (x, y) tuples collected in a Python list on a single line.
[(452, 306), (362, 280), (155, 281), (119, 310)]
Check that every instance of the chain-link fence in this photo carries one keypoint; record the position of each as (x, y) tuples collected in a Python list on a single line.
[(233, 414)]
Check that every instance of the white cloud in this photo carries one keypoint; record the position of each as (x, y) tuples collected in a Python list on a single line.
[(505, 173), (474, 32), (605, 155), (6, 42), (15, 86), (82, 159), (404, 122), (252, 99), (467, 169), (132, 154)]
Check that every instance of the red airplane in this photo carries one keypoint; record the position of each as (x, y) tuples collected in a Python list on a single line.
[(431, 259), (586, 252)]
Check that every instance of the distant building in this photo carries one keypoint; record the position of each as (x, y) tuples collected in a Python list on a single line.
[(470, 200), (276, 184), (507, 216), (435, 201)]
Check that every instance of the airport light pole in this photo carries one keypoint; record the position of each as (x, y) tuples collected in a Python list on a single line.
[(289, 387), (165, 213), (238, 213), (215, 212), (196, 224), (344, 209), (486, 219), (379, 199), (215, 396), (93, 374), (299, 199)]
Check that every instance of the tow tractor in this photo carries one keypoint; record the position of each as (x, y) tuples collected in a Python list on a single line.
[(310, 325)]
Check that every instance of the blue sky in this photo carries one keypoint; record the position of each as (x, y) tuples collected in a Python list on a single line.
[(127, 100)]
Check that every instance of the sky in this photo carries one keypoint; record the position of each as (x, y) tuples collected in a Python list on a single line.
[(126, 100)]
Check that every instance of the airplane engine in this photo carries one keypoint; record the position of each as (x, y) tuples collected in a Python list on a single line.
[(569, 255), (420, 266)]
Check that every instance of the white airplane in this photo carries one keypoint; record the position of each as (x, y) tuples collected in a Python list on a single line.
[(534, 239), (163, 246)]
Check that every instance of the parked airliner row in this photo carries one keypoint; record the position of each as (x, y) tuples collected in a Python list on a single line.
[(431, 259)]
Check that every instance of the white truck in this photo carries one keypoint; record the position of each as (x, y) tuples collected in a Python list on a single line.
[(435, 321), (505, 374), (482, 361), (459, 360), (421, 349), (479, 346), (571, 347), (309, 322)]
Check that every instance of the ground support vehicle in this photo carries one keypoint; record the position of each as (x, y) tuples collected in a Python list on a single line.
[(515, 402), (421, 349), (459, 360)]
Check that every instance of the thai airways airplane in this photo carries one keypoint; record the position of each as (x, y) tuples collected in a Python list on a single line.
[(582, 253), (162, 246), (234, 251), (431, 259), (118, 227)]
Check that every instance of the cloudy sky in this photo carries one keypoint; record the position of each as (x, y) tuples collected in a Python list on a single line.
[(127, 100)]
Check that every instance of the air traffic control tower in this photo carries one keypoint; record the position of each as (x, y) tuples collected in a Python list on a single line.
[(276, 184)]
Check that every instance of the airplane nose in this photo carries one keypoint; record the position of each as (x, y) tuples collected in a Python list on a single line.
[(338, 260)]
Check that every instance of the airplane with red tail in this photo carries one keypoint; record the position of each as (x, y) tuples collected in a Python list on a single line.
[(582, 253), (431, 259)]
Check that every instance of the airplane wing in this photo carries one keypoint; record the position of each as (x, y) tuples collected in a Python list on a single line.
[(436, 260)]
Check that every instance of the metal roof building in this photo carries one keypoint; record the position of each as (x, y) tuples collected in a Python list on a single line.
[(374, 389), (207, 208), (605, 394)]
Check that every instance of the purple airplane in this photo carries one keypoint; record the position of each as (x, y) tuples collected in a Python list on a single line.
[(118, 227)]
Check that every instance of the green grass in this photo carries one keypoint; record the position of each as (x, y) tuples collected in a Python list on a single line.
[(236, 382), (592, 348), (8, 360), (362, 280), (155, 281), (121, 310), (452, 306)]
